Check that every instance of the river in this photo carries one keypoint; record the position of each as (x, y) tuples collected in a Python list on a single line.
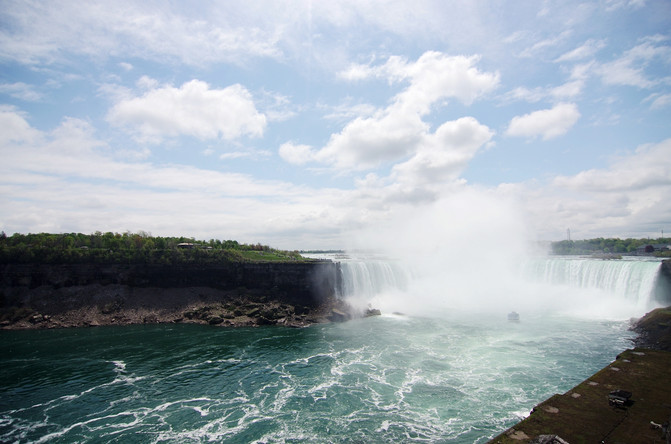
[(451, 375)]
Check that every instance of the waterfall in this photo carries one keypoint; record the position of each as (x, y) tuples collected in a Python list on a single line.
[(563, 285), (584, 286), (633, 280), (367, 278)]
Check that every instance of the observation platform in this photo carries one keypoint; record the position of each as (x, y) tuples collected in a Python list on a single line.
[(627, 401)]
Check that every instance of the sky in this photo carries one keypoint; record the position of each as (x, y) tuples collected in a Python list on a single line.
[(305, 124)]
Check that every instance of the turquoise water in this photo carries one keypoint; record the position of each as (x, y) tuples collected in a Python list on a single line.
[(385, 379)]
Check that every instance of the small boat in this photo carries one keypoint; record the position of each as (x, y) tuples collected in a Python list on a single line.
[(514, 316)]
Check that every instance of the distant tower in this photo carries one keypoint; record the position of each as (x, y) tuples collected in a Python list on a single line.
[(568, 234)]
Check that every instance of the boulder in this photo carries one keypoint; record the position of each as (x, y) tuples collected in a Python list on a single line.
[(215, 320), (371, 312), (338, 315)]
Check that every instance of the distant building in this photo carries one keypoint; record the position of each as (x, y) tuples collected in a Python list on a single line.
[(185, 245), (649, 249)]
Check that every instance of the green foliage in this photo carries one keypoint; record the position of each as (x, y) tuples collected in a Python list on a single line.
[(131, 248), (610, 245)]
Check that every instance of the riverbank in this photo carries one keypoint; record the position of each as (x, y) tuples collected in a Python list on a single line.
[(97, 305), (584, 414), (34, 296)]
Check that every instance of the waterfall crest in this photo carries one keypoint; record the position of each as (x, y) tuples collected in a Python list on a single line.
[(367, 278), (634, 280), (560, 284)]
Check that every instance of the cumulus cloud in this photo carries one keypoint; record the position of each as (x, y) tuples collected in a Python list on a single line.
[(194, 109), (431, 173), (433, 77), (397, 131), (367, 142), (443, 155), (547, 123)]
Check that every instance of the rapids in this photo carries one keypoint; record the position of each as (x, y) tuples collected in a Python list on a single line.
[(441, 372)]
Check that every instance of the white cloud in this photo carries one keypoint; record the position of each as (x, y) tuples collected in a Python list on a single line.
[(544, 45), (367, 142), (630, 68), (433, 77), (276, 107), (14, 128), (443, 155), (296, 154), (20, 90), (612, 5), (628, 198), (45, 178), (584, 51), (398, 130), (345, 112), (647, 168), (130, 29), (192, 109), (547, 123), (568, 90), (356, 72), (660, 101), (432, 173), (146, 82), (526, 94)]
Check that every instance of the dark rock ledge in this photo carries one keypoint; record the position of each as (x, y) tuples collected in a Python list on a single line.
[(232, 295), (95, 305)]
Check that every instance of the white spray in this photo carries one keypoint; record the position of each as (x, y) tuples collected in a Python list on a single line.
[(465, 254)]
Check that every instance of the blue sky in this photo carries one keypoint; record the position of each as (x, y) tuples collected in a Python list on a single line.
[(303, 124)]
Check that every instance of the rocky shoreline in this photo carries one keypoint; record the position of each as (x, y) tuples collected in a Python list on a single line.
[(228, 295), (123, 305), (654, 330)]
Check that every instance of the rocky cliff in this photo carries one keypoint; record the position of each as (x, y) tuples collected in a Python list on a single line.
[(43, 296)]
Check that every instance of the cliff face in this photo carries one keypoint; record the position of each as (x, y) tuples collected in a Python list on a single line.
[(663, 287), (231, 293)]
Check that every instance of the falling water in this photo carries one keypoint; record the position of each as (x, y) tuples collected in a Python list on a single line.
[(370, 277), (550, 283), (631, 279), (440, 376)]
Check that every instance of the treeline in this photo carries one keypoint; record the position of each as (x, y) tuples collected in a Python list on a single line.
[(611, 245), (140, 247)]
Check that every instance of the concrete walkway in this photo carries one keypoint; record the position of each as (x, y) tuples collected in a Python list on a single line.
[(584, 415)]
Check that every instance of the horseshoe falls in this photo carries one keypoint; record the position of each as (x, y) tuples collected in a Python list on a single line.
[(576, 286), (441, 365)]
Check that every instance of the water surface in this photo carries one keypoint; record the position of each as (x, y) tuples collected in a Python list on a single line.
[(384, 379)]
